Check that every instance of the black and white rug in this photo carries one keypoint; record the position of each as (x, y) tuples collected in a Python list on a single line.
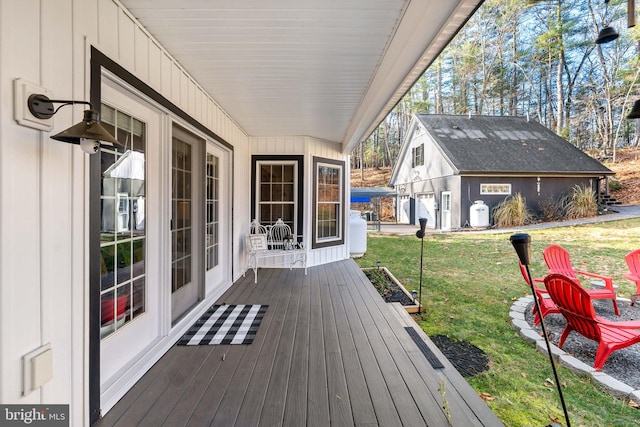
[(225, 324)]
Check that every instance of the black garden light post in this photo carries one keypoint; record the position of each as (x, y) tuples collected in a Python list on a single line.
[(420, 235), (522, 244)]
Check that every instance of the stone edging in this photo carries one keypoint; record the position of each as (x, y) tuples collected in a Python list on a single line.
[(615, 387)]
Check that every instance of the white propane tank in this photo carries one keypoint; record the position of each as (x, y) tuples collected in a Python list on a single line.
[(358, 241), (479, 215)]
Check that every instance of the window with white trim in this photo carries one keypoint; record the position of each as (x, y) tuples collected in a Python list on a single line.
[(328, 216), (495, 189), (417, 156), (276, 190)]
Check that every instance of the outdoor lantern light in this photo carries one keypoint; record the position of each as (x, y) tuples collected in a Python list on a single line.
[(420, 235), (607, 34), (88, 133), (522, 244), (635, 111)]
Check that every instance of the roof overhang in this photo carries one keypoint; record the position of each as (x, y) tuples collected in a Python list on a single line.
[(545, 174), (372, 192), (331, 70)]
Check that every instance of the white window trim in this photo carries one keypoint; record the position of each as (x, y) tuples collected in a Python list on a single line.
[(258, 202)]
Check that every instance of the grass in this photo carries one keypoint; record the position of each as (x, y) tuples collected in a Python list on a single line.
[(470, 282)]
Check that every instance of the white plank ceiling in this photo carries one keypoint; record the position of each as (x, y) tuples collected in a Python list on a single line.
[(331, 69)]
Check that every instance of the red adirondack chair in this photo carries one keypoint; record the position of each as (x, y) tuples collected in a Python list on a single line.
[(633, 262), (547, 306), (559, 261), (575, 305), (109, 312)]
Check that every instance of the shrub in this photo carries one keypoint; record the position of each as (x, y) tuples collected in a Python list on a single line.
[(615, 185), (552, 209), (583, 203), (511, 212)]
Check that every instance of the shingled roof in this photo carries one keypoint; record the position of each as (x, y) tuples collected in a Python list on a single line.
[(499, 144)]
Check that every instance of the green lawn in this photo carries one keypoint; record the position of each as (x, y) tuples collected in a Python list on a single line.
[(470, 282)]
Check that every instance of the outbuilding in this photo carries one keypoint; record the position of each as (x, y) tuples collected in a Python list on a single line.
[(447, 163)]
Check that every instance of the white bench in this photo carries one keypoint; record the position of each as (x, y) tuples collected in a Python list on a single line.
[(273, 241)]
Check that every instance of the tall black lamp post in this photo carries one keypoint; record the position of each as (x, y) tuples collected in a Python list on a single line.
[(522, 244), (420, 235)]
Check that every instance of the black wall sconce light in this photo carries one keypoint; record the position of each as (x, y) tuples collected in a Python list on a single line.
[(88, 133)]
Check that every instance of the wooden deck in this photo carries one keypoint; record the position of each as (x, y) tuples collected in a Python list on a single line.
[(329, 351)]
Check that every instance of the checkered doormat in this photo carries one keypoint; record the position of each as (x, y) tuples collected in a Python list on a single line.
[(225, 324)]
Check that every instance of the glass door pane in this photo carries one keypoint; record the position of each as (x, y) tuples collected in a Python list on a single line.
[(212, 220), (187, 220), (122, 234), (181, 224)]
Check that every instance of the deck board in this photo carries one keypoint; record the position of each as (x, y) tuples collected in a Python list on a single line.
[(361, 405), (339, 403), (277, 383), (169, 377), (400, 380), (317, 390), (295, 407), (329, 351), (245, 380), (386, 412)]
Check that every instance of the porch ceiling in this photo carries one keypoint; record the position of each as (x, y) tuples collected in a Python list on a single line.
[(331, 69)]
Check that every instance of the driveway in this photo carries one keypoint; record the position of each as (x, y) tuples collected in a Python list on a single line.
[(615, 213)]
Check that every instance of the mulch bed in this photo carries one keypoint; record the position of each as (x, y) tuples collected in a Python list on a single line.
[(468, 359), (386, 287)]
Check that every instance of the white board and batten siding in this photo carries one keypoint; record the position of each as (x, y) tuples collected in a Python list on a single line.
[(435, 166), (414, 179), (308, 147), (44, 183)]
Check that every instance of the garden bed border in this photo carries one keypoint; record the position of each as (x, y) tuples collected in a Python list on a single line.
[(412, 308)]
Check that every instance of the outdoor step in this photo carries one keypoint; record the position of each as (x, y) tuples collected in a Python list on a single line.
[(609, 200)]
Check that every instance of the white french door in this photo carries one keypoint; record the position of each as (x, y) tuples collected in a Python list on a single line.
[(187, 226), (217, 217), (166, 229), (130, 233)]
